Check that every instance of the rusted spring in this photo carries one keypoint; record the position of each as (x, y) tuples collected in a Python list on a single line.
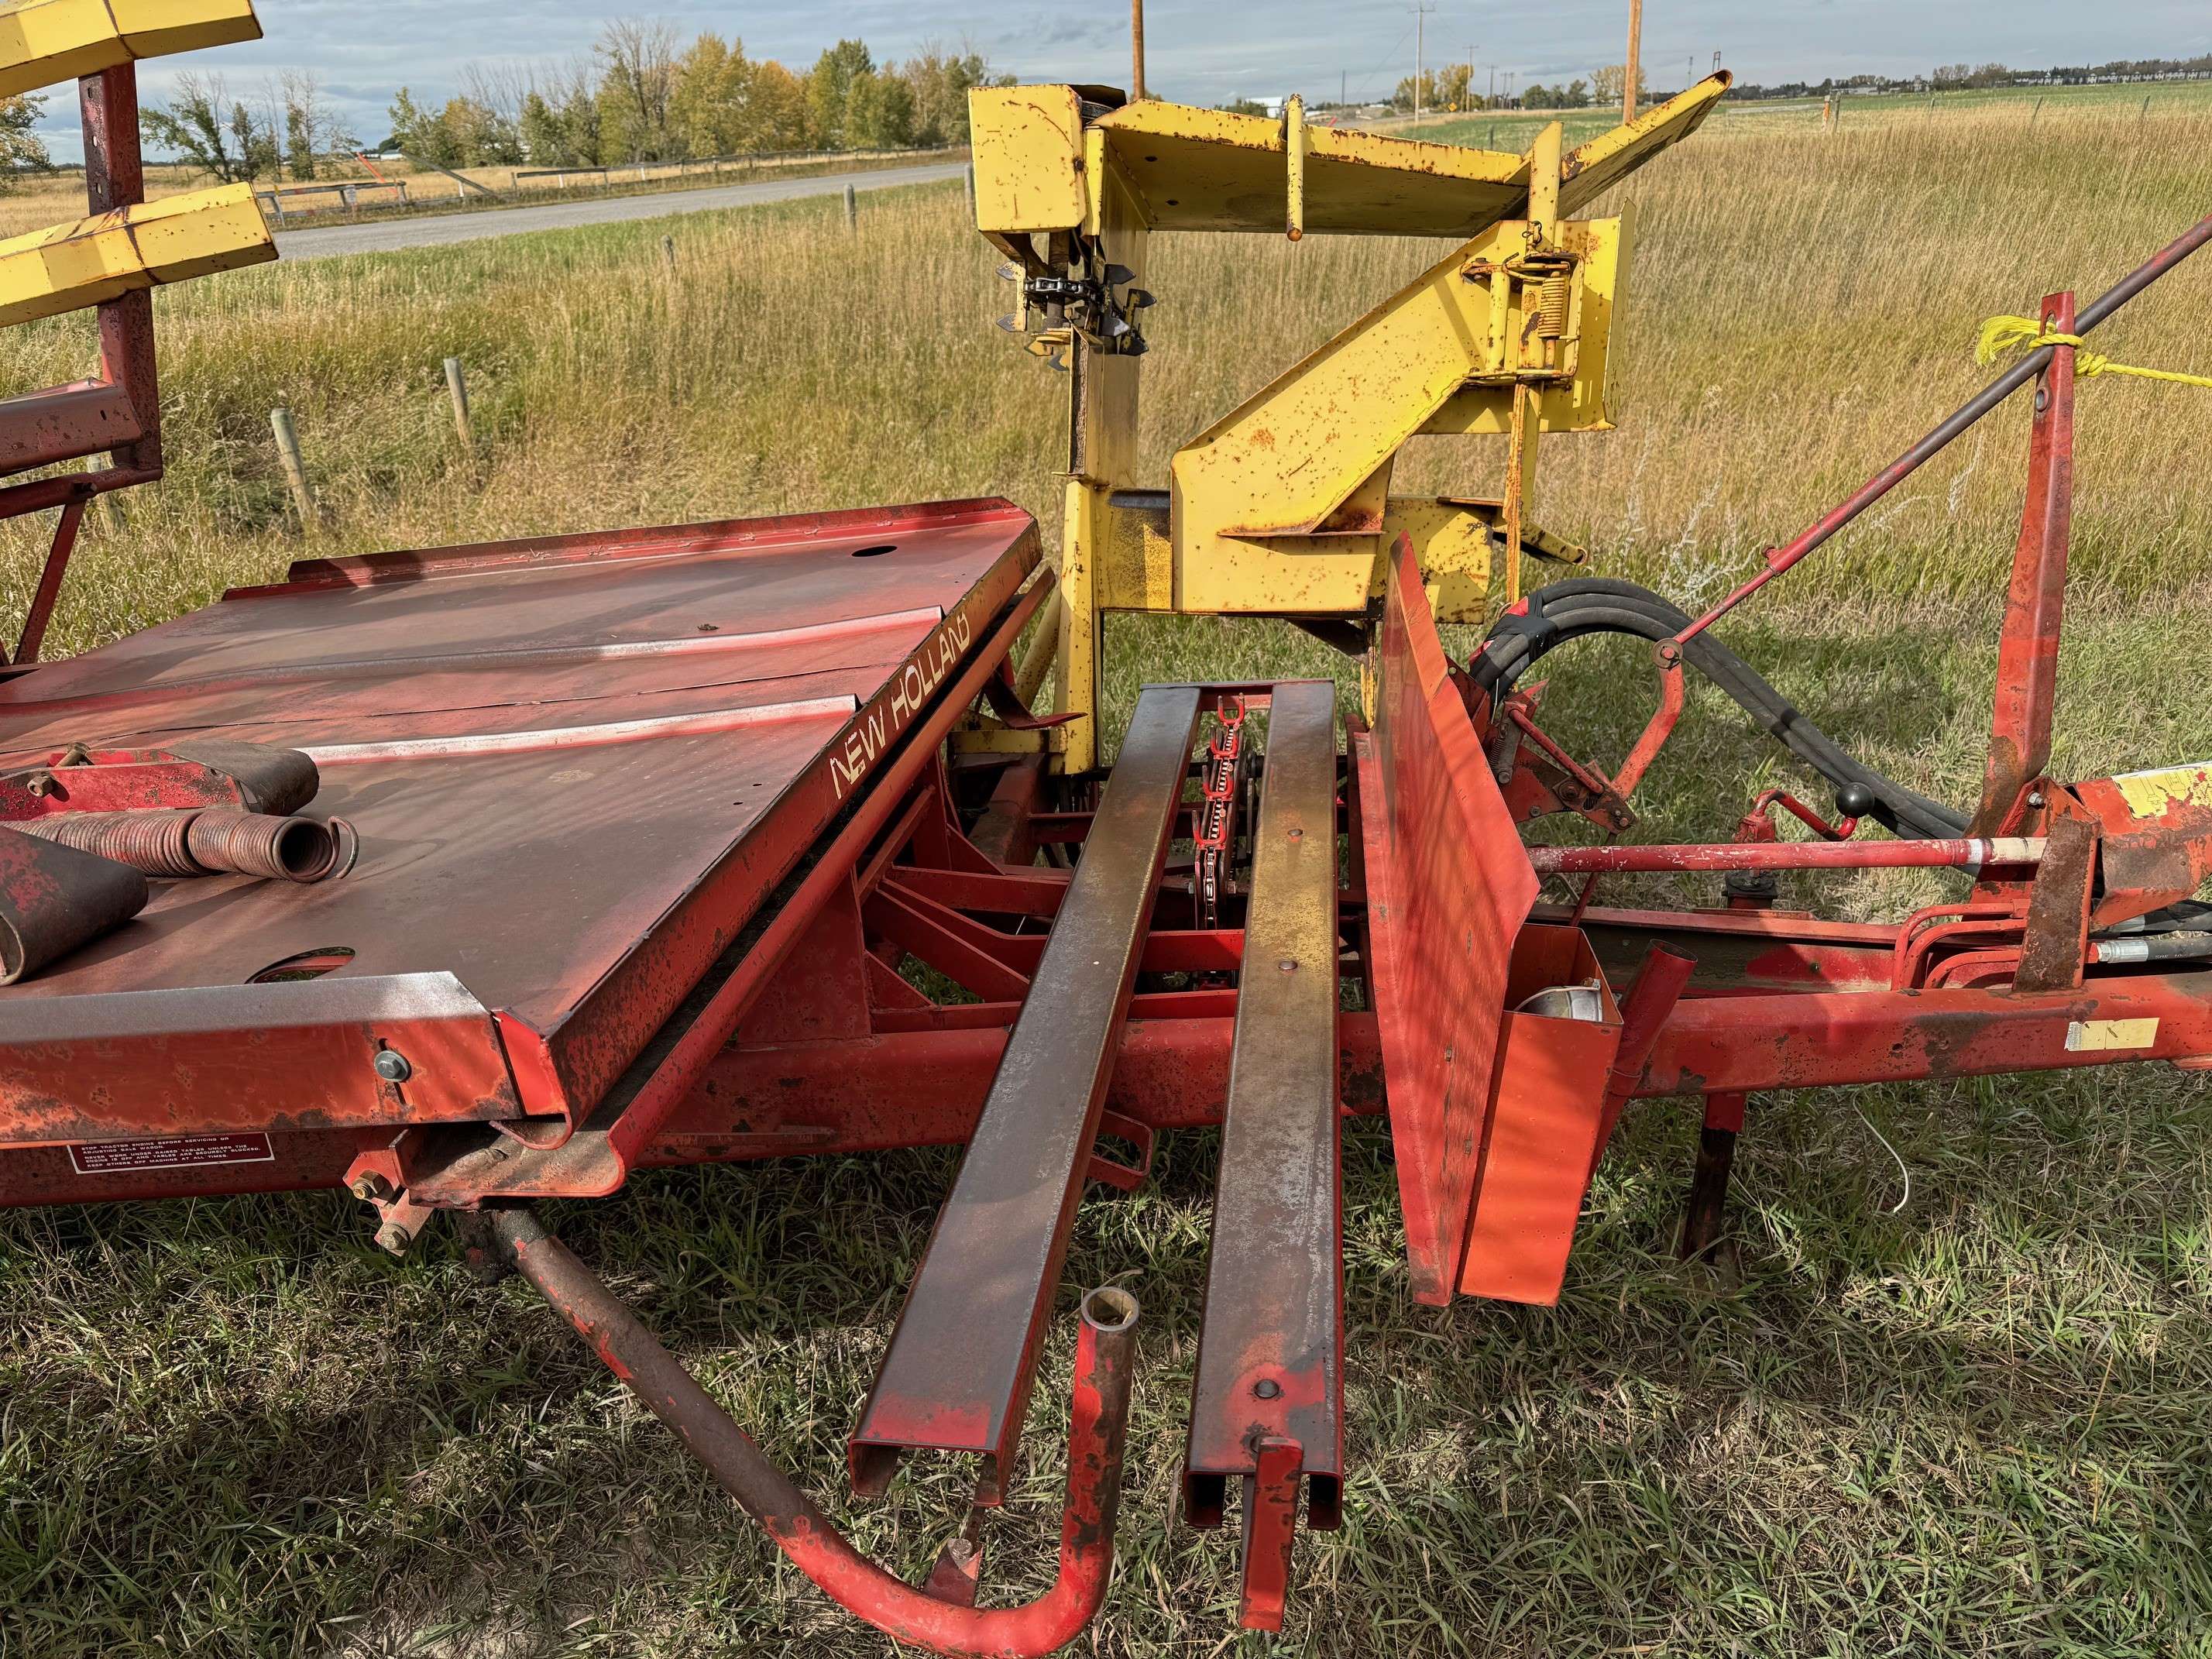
[(1105, 1348), (152, 844), (261, 844), (199, 842)]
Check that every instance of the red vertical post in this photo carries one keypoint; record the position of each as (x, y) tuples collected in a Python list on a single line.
[(2035, 602), (115, 177)]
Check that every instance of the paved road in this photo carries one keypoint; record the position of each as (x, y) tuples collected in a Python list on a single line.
[(437, 229)]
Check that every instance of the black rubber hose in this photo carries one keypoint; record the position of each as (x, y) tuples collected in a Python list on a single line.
[(1569, 610)]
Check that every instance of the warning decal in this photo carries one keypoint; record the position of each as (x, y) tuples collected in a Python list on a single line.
[(113, 1157)]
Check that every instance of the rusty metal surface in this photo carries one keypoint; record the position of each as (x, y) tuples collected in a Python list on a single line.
[(2035, 597), (1270, 1358), (577, 766), (276, 1057), (1448, 886), (956, 1376)]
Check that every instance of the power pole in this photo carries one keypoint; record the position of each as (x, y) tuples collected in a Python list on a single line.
[(1137, 48), (1634, 50), (1420, 41)]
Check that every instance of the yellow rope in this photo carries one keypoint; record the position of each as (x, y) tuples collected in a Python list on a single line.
[(2002, 334)]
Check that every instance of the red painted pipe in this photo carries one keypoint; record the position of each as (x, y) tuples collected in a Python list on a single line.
[(1967, 854), (1099, 1414)]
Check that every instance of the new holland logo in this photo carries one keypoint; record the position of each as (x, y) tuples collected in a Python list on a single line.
[(886, 717)]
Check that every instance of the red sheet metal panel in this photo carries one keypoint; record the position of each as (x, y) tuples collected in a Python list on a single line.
[(1547, 1115), (578, 765), (1449, 887)]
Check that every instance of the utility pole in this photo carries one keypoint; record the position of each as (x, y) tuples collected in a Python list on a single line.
[(1634, 50), (1137, 48), (1420, 41)]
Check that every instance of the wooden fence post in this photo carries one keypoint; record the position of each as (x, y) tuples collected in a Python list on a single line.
[(296, 468), (852, 208), (457, 387)]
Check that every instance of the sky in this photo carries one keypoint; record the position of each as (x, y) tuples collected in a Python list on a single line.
[(1197, 52)]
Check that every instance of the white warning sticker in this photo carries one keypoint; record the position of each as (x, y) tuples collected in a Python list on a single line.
[(113, 1157)]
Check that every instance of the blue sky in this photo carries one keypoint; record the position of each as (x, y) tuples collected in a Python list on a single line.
[(1199, 52)]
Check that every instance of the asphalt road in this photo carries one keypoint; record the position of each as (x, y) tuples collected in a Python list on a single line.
[(436, 230)]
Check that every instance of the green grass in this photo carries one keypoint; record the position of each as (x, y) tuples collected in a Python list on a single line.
[(1977, 1424)]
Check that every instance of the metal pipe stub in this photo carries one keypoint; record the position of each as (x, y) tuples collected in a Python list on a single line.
[(1104, 1355), (201, 841)]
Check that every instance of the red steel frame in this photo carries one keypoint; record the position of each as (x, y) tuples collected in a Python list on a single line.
[(116, 411)]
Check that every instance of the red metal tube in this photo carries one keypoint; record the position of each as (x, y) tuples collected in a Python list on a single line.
[(1779, 559), (1966, 854), (1099, 1414)]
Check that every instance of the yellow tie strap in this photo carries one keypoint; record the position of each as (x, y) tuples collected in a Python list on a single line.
[(2002, 334)]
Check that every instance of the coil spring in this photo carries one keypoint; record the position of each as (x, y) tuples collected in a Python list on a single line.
[(199, 842), (261, 844), (1551, 314), (153, 843)]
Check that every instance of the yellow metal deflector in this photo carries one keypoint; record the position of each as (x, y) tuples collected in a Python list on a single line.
[(45, 41), (72, 266)]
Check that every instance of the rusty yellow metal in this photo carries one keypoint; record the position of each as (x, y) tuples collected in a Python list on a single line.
[(1028, 145), (1284, 505), (43, 42), (72, 266)]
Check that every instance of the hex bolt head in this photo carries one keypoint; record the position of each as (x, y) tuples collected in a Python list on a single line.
[(393, 1238), (1267, 1388), (392, 1066), (2035, 798)]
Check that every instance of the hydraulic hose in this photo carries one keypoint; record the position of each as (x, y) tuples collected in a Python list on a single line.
[(1567, 610)]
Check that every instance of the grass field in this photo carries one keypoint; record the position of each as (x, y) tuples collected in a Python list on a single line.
[(1970, 1419)]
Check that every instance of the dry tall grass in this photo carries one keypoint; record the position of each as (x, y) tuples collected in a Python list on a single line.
[(1800, 306)]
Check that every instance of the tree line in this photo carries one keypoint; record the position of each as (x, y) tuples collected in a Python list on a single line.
[(643, 95)]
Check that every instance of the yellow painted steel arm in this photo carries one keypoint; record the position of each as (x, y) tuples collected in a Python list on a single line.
[(45, 41), (72, 266), (1204, 169)]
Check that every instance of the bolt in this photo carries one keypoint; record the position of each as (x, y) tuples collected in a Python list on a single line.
[(368, 1186), (2035, 798), (1287, 966), (392, 1066), (1298, 835), (1267, 1388), (41, 783), (393, 1238)]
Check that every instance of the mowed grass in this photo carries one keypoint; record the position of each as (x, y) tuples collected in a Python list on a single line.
[(1970, 1419)]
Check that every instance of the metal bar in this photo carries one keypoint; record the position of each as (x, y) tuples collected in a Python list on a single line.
[(42, 427), (114, 178), (1780, 559), (1974, 853), (1270, 1358), (1706, 1209), (956, 1376), (1728, 1045), (1098, 1417), (50, 582), (2035, 598)]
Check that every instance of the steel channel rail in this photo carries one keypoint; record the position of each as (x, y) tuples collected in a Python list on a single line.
[(1267, 1405), (958, 1374)]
